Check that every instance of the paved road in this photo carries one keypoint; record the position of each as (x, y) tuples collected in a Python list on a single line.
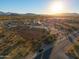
[(45, 53), (59, 50)]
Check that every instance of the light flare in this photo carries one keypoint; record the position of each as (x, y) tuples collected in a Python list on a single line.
[(57, 7)]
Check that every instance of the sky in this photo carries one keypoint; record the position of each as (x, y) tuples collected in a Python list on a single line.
[(35, 6)]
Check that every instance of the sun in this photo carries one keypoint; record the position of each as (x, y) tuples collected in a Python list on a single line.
[(57, 8)]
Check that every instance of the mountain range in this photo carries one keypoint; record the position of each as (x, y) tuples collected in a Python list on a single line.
[(32, 14), (14, 14)]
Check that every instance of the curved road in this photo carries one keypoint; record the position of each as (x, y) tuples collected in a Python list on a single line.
[(59, 50)]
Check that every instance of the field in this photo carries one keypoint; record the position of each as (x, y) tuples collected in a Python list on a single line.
[(27, 37)]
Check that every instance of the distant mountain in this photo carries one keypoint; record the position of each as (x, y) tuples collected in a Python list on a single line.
[(70, 14), (14, 14), (29, 14), (7, 13), (2, 13), (32, 14)]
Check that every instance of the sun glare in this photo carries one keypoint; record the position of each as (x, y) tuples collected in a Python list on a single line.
[(57, 8)]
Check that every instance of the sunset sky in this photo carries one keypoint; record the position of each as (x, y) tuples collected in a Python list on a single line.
[(36, 6)]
